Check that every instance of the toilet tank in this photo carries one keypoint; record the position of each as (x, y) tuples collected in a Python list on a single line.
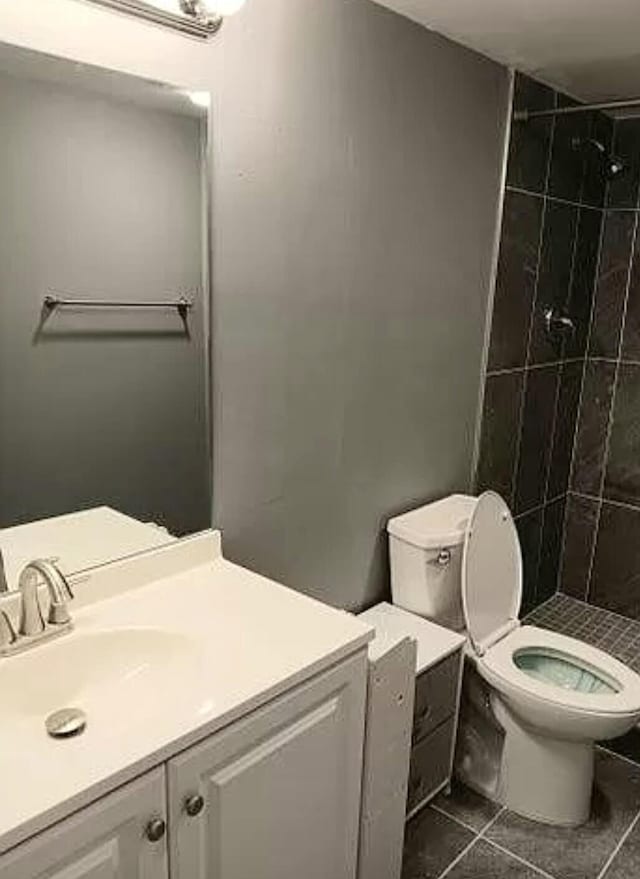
[(425, 548)]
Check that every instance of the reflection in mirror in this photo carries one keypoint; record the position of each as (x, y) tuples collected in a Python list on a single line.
[(104, 431)]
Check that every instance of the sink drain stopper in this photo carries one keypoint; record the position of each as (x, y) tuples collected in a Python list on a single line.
[(66, 724)]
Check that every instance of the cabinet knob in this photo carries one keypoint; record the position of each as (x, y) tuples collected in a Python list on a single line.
[(155, 830), (193, 805)]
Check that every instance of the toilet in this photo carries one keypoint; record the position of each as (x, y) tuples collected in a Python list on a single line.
[(534, 702)]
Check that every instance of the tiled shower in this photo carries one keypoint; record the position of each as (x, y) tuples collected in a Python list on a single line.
[(561, 419)]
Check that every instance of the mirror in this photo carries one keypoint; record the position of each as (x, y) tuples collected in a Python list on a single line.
[(104, 337)]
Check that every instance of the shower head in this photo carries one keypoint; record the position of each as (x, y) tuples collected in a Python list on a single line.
[(610, 166)]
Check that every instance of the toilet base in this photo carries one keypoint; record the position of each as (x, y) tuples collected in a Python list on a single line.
[(545, 779)]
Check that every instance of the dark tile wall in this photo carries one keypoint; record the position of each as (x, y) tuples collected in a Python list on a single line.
[(601, 553), (549, 246)]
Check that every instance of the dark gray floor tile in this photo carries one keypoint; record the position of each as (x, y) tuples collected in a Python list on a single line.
[(467, 806), (593, 424), (535, 442), (611, 284), (530, 142), (622, 479), (579, 540), (516, 280), (578, 853), (615, 581), (431, 842), (554, 278), (626, 864), (484, 861), (500, 432)]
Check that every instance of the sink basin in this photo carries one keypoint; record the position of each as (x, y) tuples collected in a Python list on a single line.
[(115, 676)]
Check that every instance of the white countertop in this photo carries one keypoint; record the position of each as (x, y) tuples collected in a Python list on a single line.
[(392, 624), (255, 639)]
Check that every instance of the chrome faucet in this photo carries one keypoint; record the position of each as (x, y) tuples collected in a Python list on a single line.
[(32, 623)]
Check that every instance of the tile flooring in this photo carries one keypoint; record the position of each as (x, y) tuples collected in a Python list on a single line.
[(604, 629), (463, 836)]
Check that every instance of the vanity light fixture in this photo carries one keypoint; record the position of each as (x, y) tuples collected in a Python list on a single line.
[(194, 17)]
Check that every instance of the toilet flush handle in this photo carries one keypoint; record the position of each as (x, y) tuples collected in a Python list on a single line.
[(442, 558)]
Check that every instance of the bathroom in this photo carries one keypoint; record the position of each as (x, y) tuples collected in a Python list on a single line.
[(285, 287)]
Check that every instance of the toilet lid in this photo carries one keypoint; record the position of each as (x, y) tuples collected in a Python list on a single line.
[(491, 571)]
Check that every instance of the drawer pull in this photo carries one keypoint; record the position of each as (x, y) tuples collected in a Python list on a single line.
[(193, 805), (155, 830)]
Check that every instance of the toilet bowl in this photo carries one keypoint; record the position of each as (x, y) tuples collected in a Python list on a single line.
[(535, 702)]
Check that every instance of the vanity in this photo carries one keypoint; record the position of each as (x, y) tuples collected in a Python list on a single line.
[(224, 729)]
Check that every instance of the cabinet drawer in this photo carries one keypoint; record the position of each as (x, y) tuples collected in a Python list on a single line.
[(436, 695), (430, 764)]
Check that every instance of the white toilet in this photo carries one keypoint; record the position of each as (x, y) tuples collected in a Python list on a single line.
[(534, 702)]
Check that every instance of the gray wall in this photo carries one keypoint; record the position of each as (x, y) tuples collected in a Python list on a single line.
[(356, 183), (99, 199)]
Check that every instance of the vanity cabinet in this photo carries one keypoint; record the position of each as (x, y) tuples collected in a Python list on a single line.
[(275, 795), (107, 840)]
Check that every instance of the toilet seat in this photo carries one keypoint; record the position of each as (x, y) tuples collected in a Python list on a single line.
[(498, 667), (491, 599)]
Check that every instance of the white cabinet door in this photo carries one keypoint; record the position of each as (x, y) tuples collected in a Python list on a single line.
[(280, 789), (104, 841)]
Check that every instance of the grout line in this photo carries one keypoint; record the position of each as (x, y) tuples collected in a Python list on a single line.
[(559, 200), (619, 845), (606, 501), (518, 858), (618, 756), (454, 818), (468, 847), (465, 851), (531, 366)]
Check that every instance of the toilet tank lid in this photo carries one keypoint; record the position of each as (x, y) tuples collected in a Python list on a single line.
[(437, 525)]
